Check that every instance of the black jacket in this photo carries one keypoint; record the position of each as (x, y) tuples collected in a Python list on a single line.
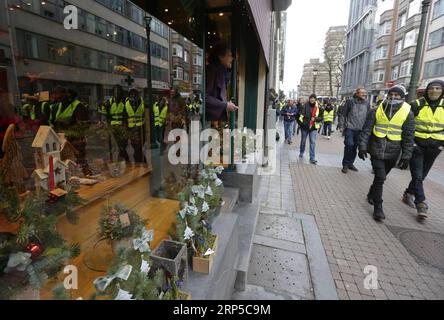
[(306, 111), (353, 114), (385, 149), (425, 143)]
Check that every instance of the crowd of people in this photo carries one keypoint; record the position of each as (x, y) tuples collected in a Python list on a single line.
[(393, 133)]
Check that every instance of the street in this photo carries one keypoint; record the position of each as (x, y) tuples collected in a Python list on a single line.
[(408, 255)]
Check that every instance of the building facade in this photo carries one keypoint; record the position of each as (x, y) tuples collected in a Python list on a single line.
[(277, 50), (395, 46), (186, 64), (108, 47), (360, 34), (433, 65), (315, 79)]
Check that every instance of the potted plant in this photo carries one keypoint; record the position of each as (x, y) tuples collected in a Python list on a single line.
[(119, 226), (35, 251)]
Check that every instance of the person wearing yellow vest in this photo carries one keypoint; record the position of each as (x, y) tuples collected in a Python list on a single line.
[(329, 118), (135, 116), (160, 110), (429, 142), (70, 116), (388, 133), (113, 110), (309, 118)]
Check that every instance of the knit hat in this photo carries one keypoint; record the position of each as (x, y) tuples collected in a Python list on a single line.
[(399, 90)]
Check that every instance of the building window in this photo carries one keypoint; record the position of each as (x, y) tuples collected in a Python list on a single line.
[(378, 76), (436, 38), (414, 8), (197, 79), (434, 68), (410, 38), (32, 50), (197, 60), (185, 56), (178, 73), (402, 20), (385, 28), (381, 53), (186, 76), (398, 47), (100, 27), (177, 51), (438, 9), (406, 68), (395, 72)]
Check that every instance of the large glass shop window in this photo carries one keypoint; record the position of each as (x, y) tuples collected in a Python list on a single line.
[(78, 134)]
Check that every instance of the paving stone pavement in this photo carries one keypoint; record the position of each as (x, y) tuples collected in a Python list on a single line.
[(352, 239), (287, 261)]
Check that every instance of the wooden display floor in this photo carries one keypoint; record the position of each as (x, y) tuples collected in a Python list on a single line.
[(131, 190)]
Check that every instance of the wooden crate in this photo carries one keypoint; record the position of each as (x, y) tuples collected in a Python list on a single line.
[(204, 265), (172, 257)]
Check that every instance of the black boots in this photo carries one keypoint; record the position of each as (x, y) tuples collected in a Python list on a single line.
[(378, 213)]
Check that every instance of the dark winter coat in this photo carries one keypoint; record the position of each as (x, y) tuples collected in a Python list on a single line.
[(289, 113), (216, 93), (306, 111), (385, 149)]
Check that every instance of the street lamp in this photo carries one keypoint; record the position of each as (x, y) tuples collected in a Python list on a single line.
[(419, 48), (315, 74)]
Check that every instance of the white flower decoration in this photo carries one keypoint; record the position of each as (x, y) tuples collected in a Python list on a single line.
[(209, 192), (219, 169), (218, 182), (192, 200), (199, 191), (205, 207), (188, 234)]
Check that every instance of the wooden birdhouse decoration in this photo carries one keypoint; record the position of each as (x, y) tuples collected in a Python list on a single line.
[(47, 145), (68, 152)]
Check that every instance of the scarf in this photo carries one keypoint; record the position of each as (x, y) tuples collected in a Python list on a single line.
[(313, 115)]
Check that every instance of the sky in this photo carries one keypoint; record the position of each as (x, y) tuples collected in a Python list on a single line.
[(307, 25)]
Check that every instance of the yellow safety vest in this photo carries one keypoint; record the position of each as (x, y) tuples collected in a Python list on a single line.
[(429, 125), (68, 113), (116, 112), (135, 118), (329, 116), (160, 117), (392, 129), (317, 124)]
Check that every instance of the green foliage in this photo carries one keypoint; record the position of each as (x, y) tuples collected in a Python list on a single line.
[(38, 218), (60, 293), (203, 195), (110, 225)]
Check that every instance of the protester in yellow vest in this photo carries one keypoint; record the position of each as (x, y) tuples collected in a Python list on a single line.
[(429, 142), (387, 134), (329, 118), (70, 116), (135, 111), (113, 111), (160, 110)]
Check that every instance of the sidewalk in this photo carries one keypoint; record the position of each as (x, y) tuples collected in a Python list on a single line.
[(288, 261), (409, 255)]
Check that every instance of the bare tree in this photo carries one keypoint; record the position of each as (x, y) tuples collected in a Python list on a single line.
[(334, 58)]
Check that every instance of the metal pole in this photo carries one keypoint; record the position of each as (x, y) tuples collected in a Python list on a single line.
[(148, 125), (419, 49)]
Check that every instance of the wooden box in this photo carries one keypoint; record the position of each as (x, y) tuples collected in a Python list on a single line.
[(205, 264), (172, 257)]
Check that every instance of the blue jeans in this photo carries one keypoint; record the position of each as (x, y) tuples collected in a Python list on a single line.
[(289, 130), (313, 135), (351, 142), (420, 164)]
